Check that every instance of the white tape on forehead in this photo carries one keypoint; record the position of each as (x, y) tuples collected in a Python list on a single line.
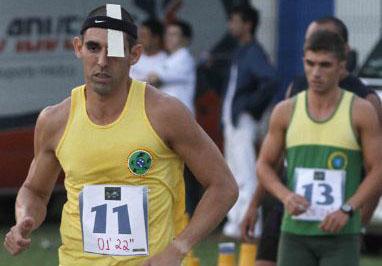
[(115, 37)]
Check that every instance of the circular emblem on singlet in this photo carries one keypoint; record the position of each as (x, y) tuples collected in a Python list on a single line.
[(140, 162), (337, 160)]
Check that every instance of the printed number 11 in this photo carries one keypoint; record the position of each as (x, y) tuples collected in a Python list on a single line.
[(100, 219)]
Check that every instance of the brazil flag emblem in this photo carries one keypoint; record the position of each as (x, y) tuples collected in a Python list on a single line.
[(337, 161), (140, 162)]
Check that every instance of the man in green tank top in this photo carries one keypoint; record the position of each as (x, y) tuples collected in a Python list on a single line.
[(326, 134)]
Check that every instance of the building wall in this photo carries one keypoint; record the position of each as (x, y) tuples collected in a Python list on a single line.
[(267, 32), (363, 19)]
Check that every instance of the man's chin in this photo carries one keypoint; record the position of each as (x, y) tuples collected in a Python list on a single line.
[(317, 88), (102, 89)]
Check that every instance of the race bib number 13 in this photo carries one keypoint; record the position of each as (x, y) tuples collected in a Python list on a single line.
[(322, 188), (114, 220)]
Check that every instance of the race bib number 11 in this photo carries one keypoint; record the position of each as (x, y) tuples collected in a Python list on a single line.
[(322, 188), (114, 220)]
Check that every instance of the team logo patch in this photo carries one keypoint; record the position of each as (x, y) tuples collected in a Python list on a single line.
[(140, 162), (337, 161)]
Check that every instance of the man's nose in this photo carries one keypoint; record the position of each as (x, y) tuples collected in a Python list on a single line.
[(102, 58), (316, 71)]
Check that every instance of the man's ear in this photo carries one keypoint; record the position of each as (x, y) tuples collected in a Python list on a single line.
[(77, 44), (135, 53)]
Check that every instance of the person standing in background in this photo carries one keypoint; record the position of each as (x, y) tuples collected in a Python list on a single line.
[(327, 135), (150, 35), (267, 247), (177, 75), (250, 89)]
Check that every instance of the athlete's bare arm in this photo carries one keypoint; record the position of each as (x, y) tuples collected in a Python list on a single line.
[(374, 99), (366, 121), (368, 128), (270, 154), (33, 196), (367, 210), (176, 126), (250, 218), (247, 225)]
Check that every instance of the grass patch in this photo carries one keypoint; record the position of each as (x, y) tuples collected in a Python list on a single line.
[(46, 240)]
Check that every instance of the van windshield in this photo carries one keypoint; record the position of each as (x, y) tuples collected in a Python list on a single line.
[(373, 65)]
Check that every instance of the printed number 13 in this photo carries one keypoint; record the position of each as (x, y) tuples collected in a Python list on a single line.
[(326, 192), (100, 219)]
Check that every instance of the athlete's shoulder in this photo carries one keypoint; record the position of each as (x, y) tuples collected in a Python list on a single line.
[(286, 105), (283, 111), (363, 112), (163, 103), (52, 120), (168, 116), (362, 106), (57, 112)]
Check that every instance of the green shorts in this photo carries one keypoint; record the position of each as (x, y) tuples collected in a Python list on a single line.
[(295, 250)]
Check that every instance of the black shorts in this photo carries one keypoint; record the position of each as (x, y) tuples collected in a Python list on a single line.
[(269, 240)]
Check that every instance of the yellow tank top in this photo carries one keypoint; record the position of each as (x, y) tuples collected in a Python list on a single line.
[(107, 154), (304, 130)]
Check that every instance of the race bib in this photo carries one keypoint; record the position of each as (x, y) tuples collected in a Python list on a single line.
[(114, 220), (322, 188)]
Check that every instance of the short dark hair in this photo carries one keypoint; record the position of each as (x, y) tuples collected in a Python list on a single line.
[(184, 26), (101, 11), (327, 41), (155, 26), (342, 30), (248, 14)]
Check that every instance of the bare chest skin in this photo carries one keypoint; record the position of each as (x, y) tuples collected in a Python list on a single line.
[(322, 106), (103, 109)]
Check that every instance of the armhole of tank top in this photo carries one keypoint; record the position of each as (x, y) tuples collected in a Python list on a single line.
[(67, 126), (150, 126), (352, 127), (291, 118)]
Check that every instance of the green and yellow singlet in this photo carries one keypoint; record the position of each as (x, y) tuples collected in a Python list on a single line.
[(327, 149)]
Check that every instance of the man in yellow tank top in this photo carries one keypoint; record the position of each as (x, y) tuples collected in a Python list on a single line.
[(122, 145), (327, 134)]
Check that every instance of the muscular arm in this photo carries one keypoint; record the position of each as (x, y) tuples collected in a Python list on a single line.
[(369, 130), (270, 156), (376, 102), (33, 196), (247, 225), (367, 210), (180, 131), (208, 165), (271, 153)]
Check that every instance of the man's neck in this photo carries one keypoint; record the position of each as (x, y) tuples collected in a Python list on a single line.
[(176, 49), (321, 105), (105, 109), (245, 39)]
